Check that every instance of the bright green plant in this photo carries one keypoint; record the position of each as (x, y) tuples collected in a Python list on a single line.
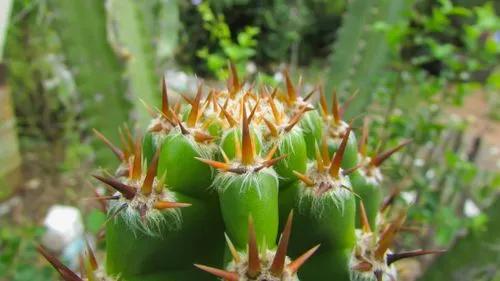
[(239, 51), (234, 163)]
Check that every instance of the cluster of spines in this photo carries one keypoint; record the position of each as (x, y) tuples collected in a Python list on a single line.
[(262, 265), (89, 267), (372, 258)]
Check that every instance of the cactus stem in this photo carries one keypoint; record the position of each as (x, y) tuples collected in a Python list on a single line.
[(248, 154), (387, 236), (365, 224), (380, 158), (279, 259), (232, 249), (337, 159), (253, 251), (118, 152), (225, 275), (391, 258), (65, 272), (295, 265), (127, 190), (305, 179), (162, 205), (147, 184)]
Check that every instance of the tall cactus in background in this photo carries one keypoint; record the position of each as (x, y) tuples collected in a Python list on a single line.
[(361, 50), (234, 163), (130, 38), (96, 68)]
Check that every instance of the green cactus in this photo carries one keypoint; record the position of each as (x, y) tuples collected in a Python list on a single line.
[(361, 50), (130, 40), (237, 163), (97, 70)]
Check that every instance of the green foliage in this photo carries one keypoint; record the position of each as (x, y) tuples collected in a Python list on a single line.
[(239, 51), (19, 260)]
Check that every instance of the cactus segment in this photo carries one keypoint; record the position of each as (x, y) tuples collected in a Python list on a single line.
[(142, 200), (177, 162), (367, 180), (326, 208), (312, 127), (263, 264), (201, 225)]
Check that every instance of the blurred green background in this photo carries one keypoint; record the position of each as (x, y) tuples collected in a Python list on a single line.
[(422, 69)]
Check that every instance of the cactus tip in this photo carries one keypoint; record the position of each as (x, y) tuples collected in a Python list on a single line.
[(225, 275), (297, 263), (279, 259)]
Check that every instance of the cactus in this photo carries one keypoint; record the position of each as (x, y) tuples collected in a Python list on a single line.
[(127, 33), (361, 50), (97, 71), (241, 163)]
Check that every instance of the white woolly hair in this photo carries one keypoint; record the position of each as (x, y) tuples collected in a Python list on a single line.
[(155, 222), (336, 195), (224, 179)]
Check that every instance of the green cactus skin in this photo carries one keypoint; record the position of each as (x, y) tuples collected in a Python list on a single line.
[(183, 172), (350, 159), (256, 195), (294, 146), (130, 39), (148, 146), (370, 194), (135, 253), (333, 228), (312, 127)]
